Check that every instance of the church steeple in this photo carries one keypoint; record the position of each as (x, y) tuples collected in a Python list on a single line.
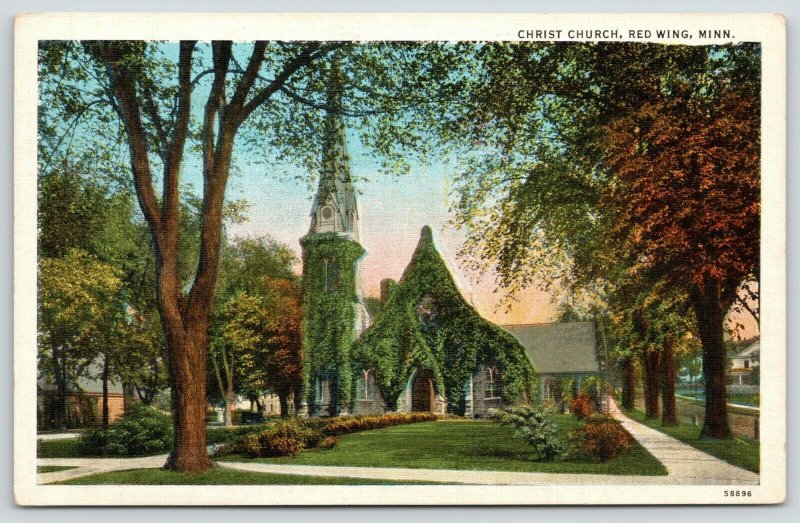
[(334, 314), (335, 207)]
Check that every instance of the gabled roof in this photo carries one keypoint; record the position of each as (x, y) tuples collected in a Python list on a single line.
[(451, 343), (559, 348), (82, 384), (751, 350)]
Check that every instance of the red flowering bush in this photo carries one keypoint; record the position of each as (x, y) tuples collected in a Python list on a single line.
[(348, 425), (328, 442), (581, 406), (282, 446), (287, 438), (601, 440)]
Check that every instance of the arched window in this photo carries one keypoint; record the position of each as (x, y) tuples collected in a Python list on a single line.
[(492, 390), (549, 388), (321, 391), (367, 385), (331, 274)]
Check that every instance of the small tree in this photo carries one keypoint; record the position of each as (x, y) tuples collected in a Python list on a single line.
[(79, 311), (534, 427)]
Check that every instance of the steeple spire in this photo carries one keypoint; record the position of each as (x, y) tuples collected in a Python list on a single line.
[(335, 208)]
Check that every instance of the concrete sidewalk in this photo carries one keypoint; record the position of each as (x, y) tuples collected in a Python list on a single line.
[(685, 465), (56, 436), (90, 466)]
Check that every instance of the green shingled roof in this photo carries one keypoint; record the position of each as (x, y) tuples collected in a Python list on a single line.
[(559, 348)]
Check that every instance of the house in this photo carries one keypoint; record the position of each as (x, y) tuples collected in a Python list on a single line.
[(84, 402), (744, 365), (558, 352)]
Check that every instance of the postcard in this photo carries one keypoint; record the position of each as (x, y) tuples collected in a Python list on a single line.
[(399, 259)]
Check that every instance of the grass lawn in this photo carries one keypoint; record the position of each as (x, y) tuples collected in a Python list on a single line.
[(466, 445), (58, 448), (731, 409), (68, 448), (218, 476), (741, 452), (51, 468), (750, 400)]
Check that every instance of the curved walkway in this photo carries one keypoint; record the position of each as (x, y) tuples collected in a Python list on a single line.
[(685, 465), (91, 466)]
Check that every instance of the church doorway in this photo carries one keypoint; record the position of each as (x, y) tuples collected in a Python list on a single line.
[(422, 392)]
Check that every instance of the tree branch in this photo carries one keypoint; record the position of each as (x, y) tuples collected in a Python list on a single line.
[(151, 109), (174, 147), (124, 86), (289, 69), (249, 78)]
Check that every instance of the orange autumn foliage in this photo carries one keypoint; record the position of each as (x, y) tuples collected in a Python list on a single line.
[(690, 185)]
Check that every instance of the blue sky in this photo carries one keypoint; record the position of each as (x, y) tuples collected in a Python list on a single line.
[(393, 210)]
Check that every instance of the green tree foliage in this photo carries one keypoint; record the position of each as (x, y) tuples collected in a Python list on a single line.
[(451, 342), (143, 96), (255, 345), (607, 162), (79, 311)]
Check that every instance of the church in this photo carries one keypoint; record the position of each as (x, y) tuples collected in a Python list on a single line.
[(427, 350)]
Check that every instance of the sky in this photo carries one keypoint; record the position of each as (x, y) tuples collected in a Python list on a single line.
[(393, 208)]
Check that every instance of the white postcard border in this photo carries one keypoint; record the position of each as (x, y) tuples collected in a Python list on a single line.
[(767, 29)]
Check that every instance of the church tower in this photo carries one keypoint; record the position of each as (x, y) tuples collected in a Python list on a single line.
[(334, 313)]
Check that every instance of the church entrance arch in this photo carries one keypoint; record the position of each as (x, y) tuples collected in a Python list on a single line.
[(422, 392)]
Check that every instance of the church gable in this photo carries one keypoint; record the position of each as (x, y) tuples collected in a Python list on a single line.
[(427, 324)]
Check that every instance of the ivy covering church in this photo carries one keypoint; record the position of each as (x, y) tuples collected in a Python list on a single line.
[(428, 350)]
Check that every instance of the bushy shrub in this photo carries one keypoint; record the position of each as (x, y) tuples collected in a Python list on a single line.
[(599, 417), (601, 440), (141, 431), (233, 434), (581, 406), (350, 424), (281, 438), (281, 446), (250, 446), (288, 437), (328, 442), (534, 427), (212, 416)]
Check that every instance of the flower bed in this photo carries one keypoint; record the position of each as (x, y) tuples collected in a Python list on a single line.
[(288, 437)]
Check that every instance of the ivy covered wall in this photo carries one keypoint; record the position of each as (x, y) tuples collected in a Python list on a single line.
[(426, 323), (329, 304)]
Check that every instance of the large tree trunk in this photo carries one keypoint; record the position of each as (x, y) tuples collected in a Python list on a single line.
[(669, 414), (283, 399), (188, 354), (298, 400), (105, 391), (629, 384), (710, 311), (651, 362), (186, 318)]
